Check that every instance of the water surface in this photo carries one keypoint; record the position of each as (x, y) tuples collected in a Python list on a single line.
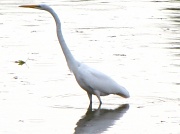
[(134, 42)]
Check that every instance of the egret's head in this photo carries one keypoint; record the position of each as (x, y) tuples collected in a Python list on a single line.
[(40, 6)]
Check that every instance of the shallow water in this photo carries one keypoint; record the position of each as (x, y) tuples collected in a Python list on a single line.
[(134, 42)]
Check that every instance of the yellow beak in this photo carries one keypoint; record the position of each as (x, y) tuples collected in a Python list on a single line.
[(29, 6)]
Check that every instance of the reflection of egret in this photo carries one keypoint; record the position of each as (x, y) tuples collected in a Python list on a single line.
[(92, 81), (99, 120)]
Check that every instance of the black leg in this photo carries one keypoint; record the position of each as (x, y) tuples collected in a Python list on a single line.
[(90, 97)]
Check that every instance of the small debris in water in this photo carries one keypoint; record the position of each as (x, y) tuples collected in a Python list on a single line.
[(119, 54), (20, 62), (140, 107), (15, 77), (21, 121)]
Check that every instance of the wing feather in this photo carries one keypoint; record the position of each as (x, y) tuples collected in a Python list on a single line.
[(90, 80)]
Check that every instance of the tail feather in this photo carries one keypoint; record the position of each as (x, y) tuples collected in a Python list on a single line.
[(123, 92), (124, 95)]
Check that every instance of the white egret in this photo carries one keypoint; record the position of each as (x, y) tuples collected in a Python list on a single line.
[(89, 79)]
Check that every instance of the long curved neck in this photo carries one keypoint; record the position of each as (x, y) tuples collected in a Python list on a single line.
[(72, 63)]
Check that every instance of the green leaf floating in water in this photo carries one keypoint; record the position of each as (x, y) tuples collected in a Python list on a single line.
[(20, 62)]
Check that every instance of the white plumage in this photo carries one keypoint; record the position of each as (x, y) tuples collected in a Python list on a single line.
[(89, 79)]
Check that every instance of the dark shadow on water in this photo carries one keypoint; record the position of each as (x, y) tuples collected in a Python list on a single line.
[(99, 120)]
